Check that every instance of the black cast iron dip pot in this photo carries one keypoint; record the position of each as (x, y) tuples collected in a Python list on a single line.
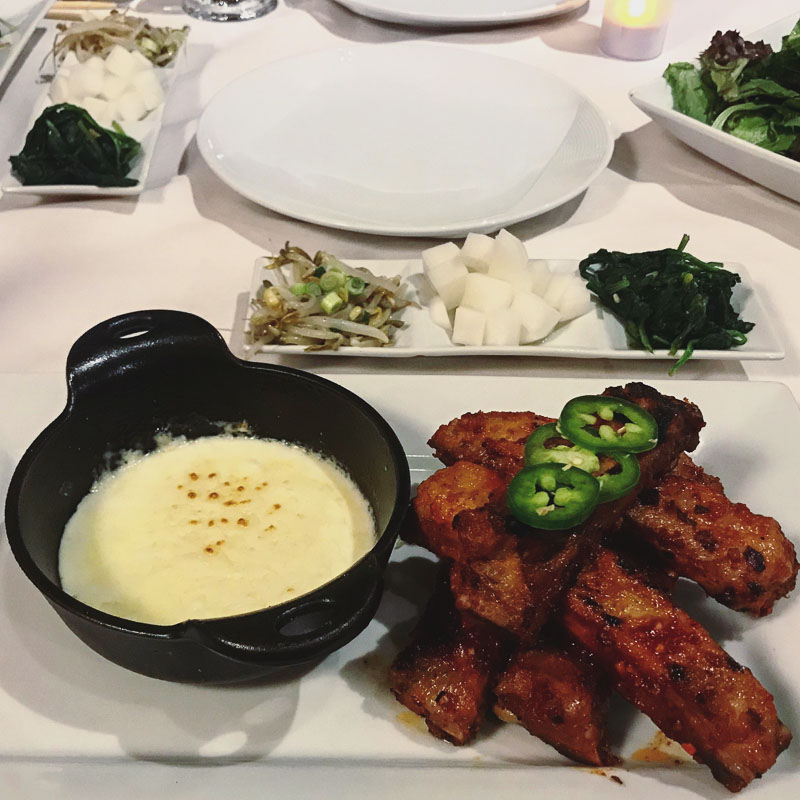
[(167, 371)]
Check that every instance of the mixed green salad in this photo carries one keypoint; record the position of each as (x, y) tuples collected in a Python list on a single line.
[(744, 88)]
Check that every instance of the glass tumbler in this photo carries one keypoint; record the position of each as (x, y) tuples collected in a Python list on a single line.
[(228, 10)]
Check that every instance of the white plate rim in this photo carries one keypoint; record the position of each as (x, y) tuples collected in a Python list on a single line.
[(753, 307), (25, 28), (728, 140), (168, 75), (485, 224), (372, 9)]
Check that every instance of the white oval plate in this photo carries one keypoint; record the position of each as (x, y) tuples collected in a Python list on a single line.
[(460, 13), (776, 172), (405, 139)]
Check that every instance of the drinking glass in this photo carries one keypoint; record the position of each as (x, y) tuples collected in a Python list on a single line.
[(228, 10)]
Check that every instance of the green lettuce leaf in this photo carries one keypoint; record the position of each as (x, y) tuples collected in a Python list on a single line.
[(690, 95)]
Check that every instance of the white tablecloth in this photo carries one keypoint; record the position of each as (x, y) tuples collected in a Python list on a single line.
[(188, 242)]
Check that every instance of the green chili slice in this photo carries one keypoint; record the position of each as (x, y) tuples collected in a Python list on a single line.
[(551, 496), (547, 446), (562, 450), (617, 483), (608, 425)]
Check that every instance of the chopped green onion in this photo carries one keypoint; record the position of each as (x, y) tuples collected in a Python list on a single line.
[(318, 272), (356, 285), (314, 289), (331, 303), (299, 289), (331, 280)]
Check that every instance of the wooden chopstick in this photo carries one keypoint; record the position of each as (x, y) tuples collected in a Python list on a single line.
[(72, 10)]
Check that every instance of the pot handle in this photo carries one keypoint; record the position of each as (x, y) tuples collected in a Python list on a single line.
[(118, 341), (316, 625)]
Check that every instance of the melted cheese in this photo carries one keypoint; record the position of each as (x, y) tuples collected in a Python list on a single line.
[(212, 527)]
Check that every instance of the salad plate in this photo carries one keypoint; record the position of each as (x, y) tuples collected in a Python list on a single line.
[(460, 13), (76, 723), (505, 142), (597, 334), (22, 16), (772, 170)]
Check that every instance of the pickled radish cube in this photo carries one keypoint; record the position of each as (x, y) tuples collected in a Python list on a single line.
[(95, 63), (440, 255), (540, 273), (536, 317), (59, 89), (556, 288), (502, 328), (99, 109), (486, 294), (130, 106), (449, 279), (120, 62), (509, 251), (477, 251), (438, 312), (113, 86), (140, 61), (520, 279), (576, 300), (149, 89), (70, 60), (85, 81), (468, 326)]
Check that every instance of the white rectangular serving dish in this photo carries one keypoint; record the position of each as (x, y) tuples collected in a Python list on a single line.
[(24, 16), (145, 131), (776, 172), (75, 724), (597, 334)]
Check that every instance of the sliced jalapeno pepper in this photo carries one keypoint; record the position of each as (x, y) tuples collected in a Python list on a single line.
[(562, 452), (608, 425), (552, 497), (616, 483)]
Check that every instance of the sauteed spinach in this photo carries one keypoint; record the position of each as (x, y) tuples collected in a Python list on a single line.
[(66, 145), (668, 299)]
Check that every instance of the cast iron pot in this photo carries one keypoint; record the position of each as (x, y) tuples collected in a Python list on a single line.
[(151, 371)]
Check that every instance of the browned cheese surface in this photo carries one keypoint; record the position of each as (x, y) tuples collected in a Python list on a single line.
[(558, 698), (741, 559), (445, 674), (667, 665)]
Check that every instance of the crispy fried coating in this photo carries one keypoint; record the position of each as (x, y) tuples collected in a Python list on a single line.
[(446, 673), (495, 439), (741, 559), (667, 665), (559, 698), (441, 497), (523, 574)]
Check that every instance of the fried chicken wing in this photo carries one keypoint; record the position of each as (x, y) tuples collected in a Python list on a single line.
[(446, 673), (741, 559), (495, 439), (668, 666), (559, 698), (518, 584)]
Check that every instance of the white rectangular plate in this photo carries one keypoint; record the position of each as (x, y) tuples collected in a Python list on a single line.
[(23, 15), (776, 172), (75, 724), (597, 334), (145, 131)]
